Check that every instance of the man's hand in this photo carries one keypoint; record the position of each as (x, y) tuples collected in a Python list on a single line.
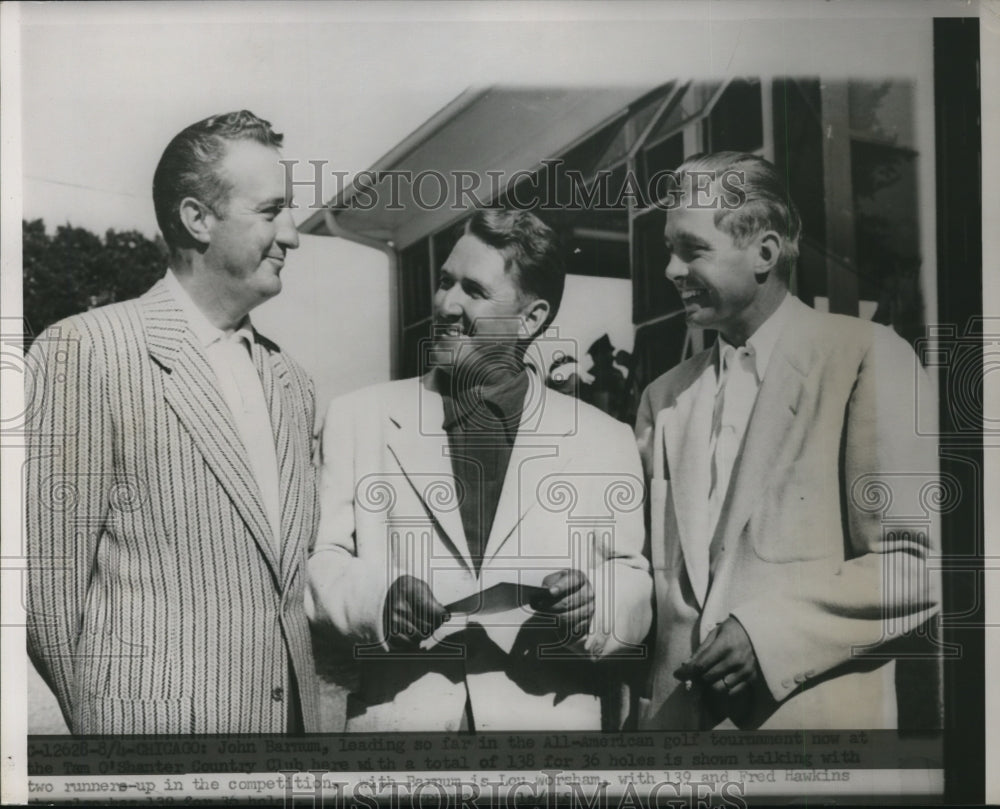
[(411, 612), (726, 662), (570, 598)]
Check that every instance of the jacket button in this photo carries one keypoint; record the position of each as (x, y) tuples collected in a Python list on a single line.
[(277, 693)]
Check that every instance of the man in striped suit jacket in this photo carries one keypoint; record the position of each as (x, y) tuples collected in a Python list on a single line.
[(171, 494)]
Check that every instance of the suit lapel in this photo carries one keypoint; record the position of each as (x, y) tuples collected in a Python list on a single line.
[(275, 377), (686, 433), (420, 445), (192, 391), (545, 420), (770, 422)]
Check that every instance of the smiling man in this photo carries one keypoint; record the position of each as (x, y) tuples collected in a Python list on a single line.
[(480, 545), (171, 495), (778, 578)]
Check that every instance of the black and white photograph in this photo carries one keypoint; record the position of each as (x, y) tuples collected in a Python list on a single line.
[(499, 404)]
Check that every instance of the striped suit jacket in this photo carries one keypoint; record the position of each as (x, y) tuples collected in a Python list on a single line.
[(157, 602)]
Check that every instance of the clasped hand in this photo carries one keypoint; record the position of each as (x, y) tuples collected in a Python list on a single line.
[(570, 598), (412, 613), (725, 662)]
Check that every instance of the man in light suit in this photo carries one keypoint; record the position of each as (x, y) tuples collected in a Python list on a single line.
[(780, 570), (171, 494), (480, 545)]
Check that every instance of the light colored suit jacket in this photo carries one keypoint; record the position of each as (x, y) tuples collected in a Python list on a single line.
[(824, 535), (157, 602), (572, 498)]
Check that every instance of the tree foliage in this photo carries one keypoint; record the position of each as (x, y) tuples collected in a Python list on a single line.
[(73, 270)]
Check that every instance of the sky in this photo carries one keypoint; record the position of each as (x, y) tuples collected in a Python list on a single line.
[(101, 101)]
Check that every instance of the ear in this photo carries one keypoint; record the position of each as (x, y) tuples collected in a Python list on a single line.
[(196, 218), (768, 252), (534, 316)]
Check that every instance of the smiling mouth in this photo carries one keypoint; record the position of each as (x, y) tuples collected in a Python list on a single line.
[(450, 331), (690, 294)]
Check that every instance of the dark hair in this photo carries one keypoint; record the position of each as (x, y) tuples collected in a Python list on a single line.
[(530, 249), (189, 167), (766, 203)]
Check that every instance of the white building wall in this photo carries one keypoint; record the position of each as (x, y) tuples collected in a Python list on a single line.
[(332, 315)]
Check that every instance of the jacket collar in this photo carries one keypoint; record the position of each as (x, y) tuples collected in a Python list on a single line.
[(191, 390)]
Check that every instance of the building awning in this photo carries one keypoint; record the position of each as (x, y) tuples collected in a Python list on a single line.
[(479, 141)]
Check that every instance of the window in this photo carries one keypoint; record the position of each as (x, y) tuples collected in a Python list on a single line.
[(798, 147), (442, 244), (413, 349), (653, 295), (415, 283), (667, 155), (736, 121), (856, 190)]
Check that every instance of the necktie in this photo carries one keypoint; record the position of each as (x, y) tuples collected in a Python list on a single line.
[(254, 424)]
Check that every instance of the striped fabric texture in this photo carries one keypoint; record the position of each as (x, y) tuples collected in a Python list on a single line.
[(157, 602)]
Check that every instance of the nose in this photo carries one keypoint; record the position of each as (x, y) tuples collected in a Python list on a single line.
[(288, 234), (675, 268), (450, 302)]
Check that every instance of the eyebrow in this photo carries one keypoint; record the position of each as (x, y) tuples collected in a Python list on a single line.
[(466, 283), (687, 239), (475, 286)]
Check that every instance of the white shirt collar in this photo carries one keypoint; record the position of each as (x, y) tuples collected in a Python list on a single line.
[(207, 332), (762, 342)]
